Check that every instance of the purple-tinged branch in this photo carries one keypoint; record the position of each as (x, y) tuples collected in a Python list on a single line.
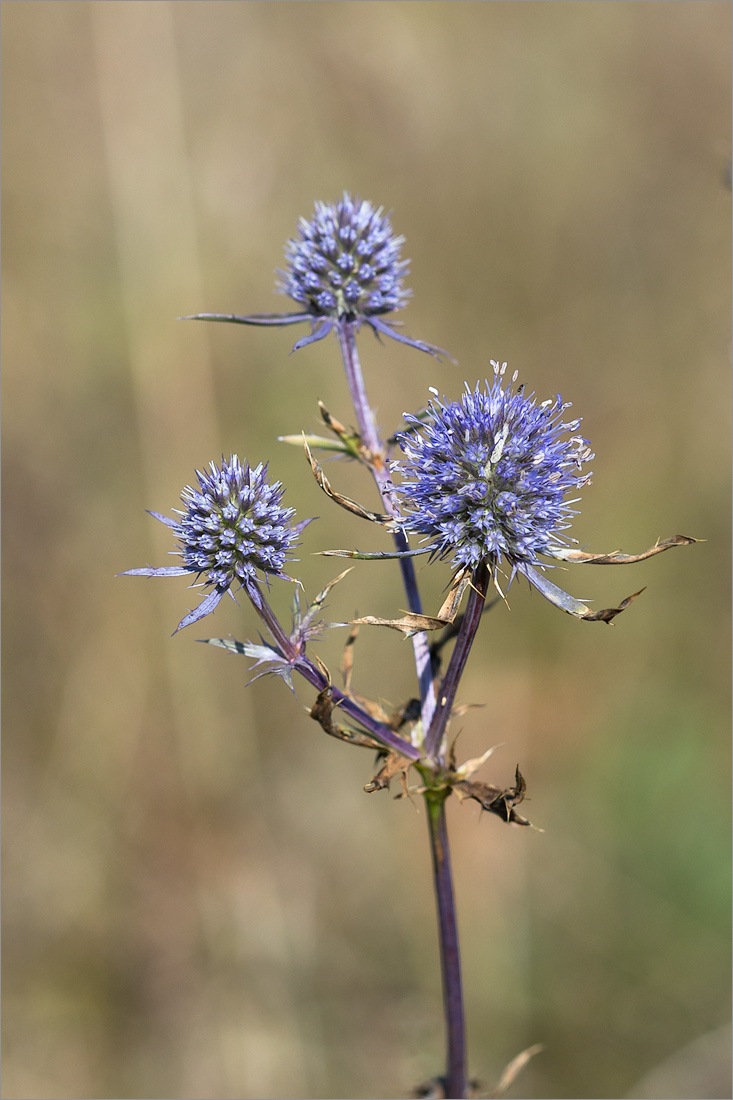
[(309, 671), (464, 641), (371, 440)]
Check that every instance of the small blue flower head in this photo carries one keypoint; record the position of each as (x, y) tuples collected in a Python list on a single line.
[(344, 268), (345, 262), (487, 479), (232, 526)]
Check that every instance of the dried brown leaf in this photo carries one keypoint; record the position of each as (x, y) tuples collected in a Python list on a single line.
[(452, 602), (322, 711), (320, 599), (512, 1071), (616, 557), (609, 613), (408, 625), (350, 439), (496, 800), (345, 502), (394, 764), (347, 661)]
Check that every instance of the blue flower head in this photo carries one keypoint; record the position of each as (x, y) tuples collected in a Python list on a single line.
[(345, 262), (487, 479), (344, 268), (233, 525)]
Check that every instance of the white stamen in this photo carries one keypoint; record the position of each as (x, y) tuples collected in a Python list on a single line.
[(499, 445)]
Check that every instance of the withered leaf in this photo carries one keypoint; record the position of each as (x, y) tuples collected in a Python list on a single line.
[(411, 624), (408, 625), (321, 712), (322, 596), (452, 602), (616, 557), (347, 661), (496, 800), (610, 613), (570, 604), (349, 439), (345, 502), (512, 1071), (394, 764)]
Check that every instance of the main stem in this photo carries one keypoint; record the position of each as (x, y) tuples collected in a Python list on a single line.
[(370, 439), (450, 958), (434, 721)]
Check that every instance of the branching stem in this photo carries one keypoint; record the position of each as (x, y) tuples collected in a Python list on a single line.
[(302, 664), (434, 719), (464, 641), (370, 439)]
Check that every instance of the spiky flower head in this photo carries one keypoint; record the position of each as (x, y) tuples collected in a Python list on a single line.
[(344, 268), (232, 526), (345, 262), (487, 479)]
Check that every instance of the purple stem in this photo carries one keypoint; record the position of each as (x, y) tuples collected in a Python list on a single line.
[(370, 438), (435, 721), (464, 641), (314, 676), (450, 958)]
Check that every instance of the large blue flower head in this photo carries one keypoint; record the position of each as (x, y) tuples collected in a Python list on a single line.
[(233, 525), (487, 479)]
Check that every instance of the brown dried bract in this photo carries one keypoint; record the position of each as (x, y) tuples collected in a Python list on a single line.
[(616, 557), (609, 613), (494, 799), (321, 712), (408, 625), (345, 502), (394, 764), (411, 624), (512, 1071), (347, 661), (452, 602), (349, 437)]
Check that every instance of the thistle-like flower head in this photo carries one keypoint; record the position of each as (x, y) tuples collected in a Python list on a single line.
[(233, 525), (344, 268), (487, 479), (345, 262)]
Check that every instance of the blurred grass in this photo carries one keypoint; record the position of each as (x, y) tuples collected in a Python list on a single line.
[(200, 901)]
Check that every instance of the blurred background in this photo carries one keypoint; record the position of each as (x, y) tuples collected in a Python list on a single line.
[(200, 899)]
